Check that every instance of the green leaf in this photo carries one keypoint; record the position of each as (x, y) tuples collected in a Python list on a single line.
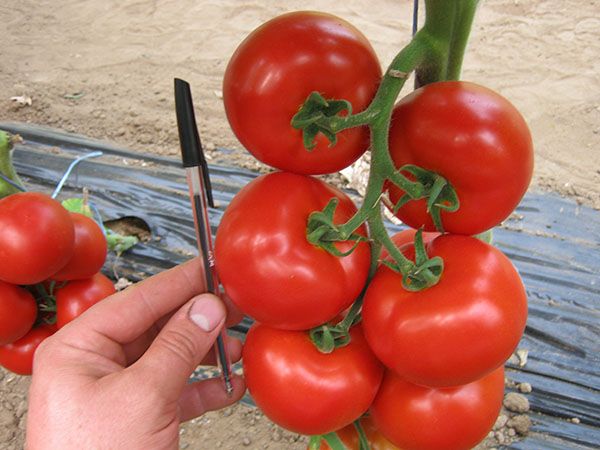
[(77, 205), (118, 243)]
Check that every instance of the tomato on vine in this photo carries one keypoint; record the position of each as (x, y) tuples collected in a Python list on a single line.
[(476, 140), (36, 237), (422, 418), (89, 252), (18, 311), (273, 71), (452, 333), (266, 263), (304, 390), (18, 356), (76, 296)]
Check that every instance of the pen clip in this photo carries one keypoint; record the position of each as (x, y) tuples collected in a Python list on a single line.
[(191, 146)]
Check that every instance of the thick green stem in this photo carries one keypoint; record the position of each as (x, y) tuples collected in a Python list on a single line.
[(6, 167), (446, 29)]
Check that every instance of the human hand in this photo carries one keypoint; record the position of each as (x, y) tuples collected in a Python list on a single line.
[(117, 377)]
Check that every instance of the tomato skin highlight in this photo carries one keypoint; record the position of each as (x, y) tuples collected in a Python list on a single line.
[(18, 311), (77, 296), (456, 331), (267, 266), (421, 418), (273, 71), (36, 237), (304, 390), (473, 137), (18, 356), (89, 252)]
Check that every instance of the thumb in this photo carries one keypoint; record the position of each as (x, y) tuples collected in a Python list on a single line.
[(181, 344)]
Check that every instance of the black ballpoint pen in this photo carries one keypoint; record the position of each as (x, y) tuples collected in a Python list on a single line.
[(198, 179)]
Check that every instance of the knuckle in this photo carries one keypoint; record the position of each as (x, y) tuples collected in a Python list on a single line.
[(181, 345)]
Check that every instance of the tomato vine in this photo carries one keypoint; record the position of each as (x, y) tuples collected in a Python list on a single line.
[(435, 53)]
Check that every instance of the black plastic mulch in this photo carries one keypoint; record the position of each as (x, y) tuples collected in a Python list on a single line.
[(554, 242)]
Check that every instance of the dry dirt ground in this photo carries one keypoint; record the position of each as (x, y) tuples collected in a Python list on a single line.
[(105, 69)]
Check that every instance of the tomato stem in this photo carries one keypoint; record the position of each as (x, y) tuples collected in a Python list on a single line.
[(315, 442), (334, 441), (447, 28), (362, 436)]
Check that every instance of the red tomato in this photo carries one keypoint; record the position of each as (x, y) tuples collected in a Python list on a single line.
[(407, 238), (273, 71), (473, 137), (18, 311), (89, 252), (349, 437), (36, 237), (267, 266), (79, 295), (304, 390), (18, 356), (422, 418), (456, 331)]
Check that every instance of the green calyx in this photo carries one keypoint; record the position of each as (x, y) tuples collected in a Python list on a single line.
[(423, 273), (439, 193), (319, 115), (322, 232)]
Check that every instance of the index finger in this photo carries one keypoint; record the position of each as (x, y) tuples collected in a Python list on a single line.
[(126, 315)]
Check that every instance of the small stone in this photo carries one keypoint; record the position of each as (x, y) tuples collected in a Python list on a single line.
[(500, 437), (500, 421), (511, 432), (575, 420), (227, 412), (246, 441), (276, 435), (516, 402), (521, 424), (121, 131), (522, 354), (525, 388), (21, 408)]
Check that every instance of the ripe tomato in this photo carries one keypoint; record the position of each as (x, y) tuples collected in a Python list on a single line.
[(267, 266), (422, 418), (456, 331), (304, 390), (273, 71), (473, 137), (89, 252), (78, 295), (18, 356), (36, 237), (18, 311), (349, 437)]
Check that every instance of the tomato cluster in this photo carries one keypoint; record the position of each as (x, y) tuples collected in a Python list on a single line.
[(50, 261), (425, 364)]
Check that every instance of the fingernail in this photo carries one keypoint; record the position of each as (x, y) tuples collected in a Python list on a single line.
[(206, 312)]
